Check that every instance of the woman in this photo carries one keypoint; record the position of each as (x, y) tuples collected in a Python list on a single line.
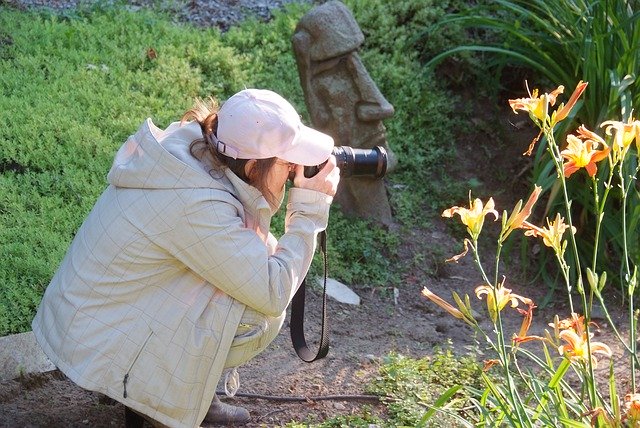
[(174, 275)]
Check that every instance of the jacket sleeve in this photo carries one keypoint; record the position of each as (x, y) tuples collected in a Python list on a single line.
[(212, 241)]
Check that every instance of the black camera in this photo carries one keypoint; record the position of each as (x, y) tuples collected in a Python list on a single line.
[(356, 162)]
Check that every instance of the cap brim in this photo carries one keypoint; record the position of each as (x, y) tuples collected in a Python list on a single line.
[(310, 148)]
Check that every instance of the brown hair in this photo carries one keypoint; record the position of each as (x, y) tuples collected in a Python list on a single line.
[(205, 112)]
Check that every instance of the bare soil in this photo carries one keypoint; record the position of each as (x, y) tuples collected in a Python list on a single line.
[(489, 153)]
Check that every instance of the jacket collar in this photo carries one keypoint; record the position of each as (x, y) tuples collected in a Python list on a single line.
[(250, 197)]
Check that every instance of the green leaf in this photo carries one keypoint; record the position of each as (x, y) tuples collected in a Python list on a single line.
[(439, 403)]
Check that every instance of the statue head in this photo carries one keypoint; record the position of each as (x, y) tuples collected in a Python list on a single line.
[(342, 98)]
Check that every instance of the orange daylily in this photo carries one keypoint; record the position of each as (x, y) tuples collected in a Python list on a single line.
[(518, 216), (462, 254), (586, 135), (631, 409), (489, 363), (552, 234), (573, 332), (598, 413), (522, 335), (577, 348), (526, 320), (473, 217), (582, 154), (625, 134), (502, 296), (564, 109), (575, 323)]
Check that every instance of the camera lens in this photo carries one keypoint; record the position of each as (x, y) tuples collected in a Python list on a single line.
[(361, 162), (356, 162)]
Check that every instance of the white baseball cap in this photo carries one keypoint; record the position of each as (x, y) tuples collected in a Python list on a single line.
[(260, 124)]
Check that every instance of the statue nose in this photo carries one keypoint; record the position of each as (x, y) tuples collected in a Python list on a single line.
[(372, 105), (375, 111)]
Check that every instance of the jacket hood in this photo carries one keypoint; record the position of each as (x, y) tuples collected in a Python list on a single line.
[(153, 158)]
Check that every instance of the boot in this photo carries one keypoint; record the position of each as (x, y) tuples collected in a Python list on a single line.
[(225, 414)]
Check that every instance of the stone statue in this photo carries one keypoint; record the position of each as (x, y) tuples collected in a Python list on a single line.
[(343, 101)]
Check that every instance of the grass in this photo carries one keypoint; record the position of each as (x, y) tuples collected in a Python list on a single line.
[(75, 86)]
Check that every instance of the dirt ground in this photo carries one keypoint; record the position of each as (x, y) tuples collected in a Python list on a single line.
[(360, 335)]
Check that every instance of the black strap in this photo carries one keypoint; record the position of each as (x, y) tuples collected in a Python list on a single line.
[(297, 316)]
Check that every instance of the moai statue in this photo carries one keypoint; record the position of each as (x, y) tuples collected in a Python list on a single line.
[(343, 101)]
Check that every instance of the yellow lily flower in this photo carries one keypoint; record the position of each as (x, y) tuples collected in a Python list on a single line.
[(625, 133), (577, 348), (502, 296), (551, 235), (581, 154), (473, 217), (538, 108)]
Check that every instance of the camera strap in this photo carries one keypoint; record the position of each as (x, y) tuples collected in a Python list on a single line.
[(297, 315)]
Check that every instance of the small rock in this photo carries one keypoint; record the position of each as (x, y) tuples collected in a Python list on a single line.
[(339, 406), (368, 359), (340, 292)]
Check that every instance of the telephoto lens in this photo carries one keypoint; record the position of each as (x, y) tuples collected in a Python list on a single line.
[(356, 162)]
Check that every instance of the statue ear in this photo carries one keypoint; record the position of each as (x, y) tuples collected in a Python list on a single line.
[(301, 42)]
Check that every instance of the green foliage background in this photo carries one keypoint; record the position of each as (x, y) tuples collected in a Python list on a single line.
[(74, 86), (560, 43)]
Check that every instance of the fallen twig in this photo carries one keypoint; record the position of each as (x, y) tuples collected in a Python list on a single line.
[(347, 397)]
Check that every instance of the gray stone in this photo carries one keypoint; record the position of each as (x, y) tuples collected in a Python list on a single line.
[(20, 354), (340, 292), (344, 101)]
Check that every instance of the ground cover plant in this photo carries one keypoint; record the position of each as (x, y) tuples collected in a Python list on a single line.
[(411, 385)]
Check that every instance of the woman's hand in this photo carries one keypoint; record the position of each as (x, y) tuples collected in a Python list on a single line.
[(325, 181)]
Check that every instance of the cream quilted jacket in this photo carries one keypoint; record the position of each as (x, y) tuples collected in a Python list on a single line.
[(147, 300)]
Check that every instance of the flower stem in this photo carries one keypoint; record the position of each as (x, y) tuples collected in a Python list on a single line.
[(502, 349), (554, 151)]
